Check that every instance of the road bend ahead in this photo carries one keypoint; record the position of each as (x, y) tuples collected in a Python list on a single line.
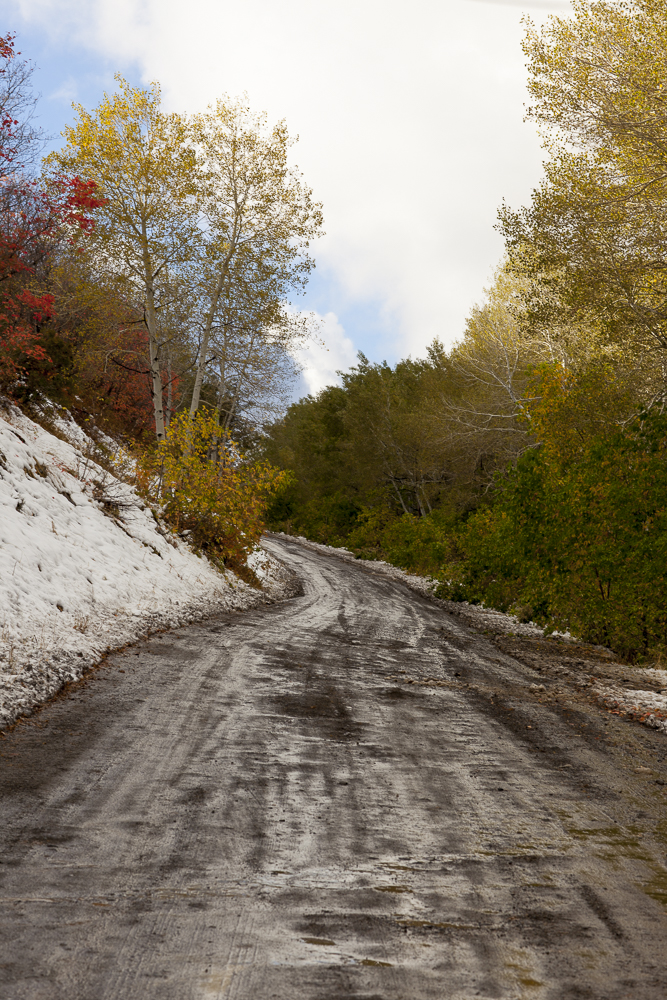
[(347, 795)]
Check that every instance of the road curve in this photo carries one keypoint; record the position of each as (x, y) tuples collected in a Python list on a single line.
[(317, 801)]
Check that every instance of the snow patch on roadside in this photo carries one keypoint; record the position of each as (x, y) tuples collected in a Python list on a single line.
[(263, 566), (647, 707), (85, 566), (656, 674)]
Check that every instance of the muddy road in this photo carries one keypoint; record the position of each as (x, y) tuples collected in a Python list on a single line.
[(347, 795)]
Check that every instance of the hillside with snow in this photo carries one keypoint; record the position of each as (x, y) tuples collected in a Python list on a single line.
[(85, 566)]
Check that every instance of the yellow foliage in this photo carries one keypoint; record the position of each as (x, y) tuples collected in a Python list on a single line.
[(148, 228), (204, 485)]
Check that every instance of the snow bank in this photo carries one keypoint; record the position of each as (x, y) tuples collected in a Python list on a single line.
[(648, 707), (85, 567)]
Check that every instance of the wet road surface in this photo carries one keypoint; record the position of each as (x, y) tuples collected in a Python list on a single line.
[(347, 795)]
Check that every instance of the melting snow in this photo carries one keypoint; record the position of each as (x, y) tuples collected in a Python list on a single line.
[(85, 567)]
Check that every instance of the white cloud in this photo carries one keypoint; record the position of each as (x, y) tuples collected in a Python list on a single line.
[(410, 118), (66, 93), (321, 361)]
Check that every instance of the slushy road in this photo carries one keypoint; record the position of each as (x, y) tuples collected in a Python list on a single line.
[(346, 795)]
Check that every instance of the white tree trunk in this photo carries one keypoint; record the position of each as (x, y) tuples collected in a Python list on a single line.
[(154, 352)]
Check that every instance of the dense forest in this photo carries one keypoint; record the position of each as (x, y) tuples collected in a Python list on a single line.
[(526, 467)]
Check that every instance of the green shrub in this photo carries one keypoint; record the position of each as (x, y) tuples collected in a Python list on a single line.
[(581, 544), (325, 519), (416, 544)]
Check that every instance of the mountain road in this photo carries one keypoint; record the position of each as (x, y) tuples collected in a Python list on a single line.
[(348, 795)]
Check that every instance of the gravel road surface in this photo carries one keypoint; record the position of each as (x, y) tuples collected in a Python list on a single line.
[(346, 796)]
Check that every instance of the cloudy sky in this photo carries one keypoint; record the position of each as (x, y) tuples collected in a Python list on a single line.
[(410, 125)]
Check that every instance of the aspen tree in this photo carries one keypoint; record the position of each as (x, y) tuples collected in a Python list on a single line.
[(592, 239), (252, 348), (259, 219), (147, 171)]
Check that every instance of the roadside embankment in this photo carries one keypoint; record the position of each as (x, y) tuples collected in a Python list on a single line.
[(86, 567)]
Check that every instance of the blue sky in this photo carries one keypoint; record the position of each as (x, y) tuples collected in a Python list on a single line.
[(410, 123), (64, 74)]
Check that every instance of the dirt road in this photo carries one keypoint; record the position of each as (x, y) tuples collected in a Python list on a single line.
[(348, 795)]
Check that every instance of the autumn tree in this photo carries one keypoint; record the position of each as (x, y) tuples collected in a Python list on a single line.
[(35, 220), (259, 221), (251, 350), (148, 228), (591, 242), (104, 342), (491, 367), (20, 139)]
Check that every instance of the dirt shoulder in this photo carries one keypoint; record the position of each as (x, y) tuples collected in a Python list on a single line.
[(574, 673)]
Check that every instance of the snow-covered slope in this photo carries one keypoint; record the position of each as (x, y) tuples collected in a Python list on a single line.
[(84, 565)]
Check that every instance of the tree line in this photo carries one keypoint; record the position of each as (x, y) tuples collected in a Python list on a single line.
[(525, 467), (146, 270)]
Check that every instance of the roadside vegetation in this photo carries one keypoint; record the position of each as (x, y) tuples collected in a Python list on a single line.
[(146, 270), (145, 276), (526, 467)]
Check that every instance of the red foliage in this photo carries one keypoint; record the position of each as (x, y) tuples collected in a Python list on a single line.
[(33, 222), (121, 384), (124, 384)]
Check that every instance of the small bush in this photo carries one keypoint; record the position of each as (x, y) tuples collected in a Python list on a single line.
[(204, 486)]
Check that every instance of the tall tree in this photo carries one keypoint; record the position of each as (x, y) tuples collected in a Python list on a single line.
[(148, 173), (250, 352), (592, 239), (259, 221)]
